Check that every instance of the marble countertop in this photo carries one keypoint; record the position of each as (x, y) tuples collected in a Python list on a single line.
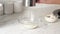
[(10, 24)]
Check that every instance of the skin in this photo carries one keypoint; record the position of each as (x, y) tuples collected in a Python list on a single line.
[(50, 1)]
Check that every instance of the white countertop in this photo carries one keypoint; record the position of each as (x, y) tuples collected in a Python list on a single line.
[(12, 26)]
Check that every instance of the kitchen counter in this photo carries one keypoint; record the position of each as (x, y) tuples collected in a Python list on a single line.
[(12, 26)]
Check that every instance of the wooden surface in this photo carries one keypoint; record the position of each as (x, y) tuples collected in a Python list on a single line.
[(50, 1)]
